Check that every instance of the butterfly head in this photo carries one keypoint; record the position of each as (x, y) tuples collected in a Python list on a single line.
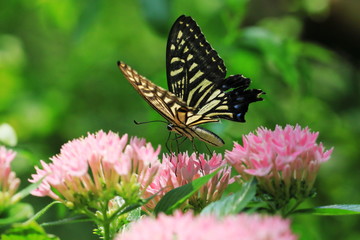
[(170, 127)]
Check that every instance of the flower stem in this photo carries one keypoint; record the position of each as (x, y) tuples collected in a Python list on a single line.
[(288, 212), (106, 226), (106, 223)]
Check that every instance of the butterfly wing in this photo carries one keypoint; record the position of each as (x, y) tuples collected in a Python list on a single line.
[(163, 101), (172, 108), (192, 65), (196, 74)]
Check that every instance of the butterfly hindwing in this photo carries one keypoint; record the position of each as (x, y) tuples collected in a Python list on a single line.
[(231, 100)]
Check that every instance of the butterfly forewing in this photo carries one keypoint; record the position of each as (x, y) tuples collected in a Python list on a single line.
[(196, 74), (193, 66), (163, 101), (172, 108)]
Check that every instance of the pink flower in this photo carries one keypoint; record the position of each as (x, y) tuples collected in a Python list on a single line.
[(188, 227), (284, 161), (97, 168), (181, 169), (8, 181)]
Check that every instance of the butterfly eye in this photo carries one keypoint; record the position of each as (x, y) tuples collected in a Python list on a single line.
[(170, 127)]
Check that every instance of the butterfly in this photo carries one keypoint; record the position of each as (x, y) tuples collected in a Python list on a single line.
[(199, 91)]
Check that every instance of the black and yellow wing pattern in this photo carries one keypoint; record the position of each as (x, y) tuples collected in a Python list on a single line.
[(199, 91)]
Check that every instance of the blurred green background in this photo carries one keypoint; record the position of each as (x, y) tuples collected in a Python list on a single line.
[(59, 80)]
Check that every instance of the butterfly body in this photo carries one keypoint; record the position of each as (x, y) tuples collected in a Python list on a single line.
[(198, 90)]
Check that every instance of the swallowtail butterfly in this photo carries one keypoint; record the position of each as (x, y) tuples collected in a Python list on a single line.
[(199, 91)]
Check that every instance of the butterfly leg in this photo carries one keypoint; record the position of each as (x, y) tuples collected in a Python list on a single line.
[(184, 139), (167, 143), (178, 144), (201, 168), (194, 146), (208, 149)]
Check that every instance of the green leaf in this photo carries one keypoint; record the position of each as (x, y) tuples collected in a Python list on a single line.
[(157, 12), (179, 195), (31, 231), (41, 212), (70, 220), (333, 210), (282, 54), (234, 203), (17, 213), (130, 208), (26, 191), (7, 135)]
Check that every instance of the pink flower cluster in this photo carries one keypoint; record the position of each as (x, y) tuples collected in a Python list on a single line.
[(9, 183), (284, 161), (98, 167), (181, 169), (188, 227)]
